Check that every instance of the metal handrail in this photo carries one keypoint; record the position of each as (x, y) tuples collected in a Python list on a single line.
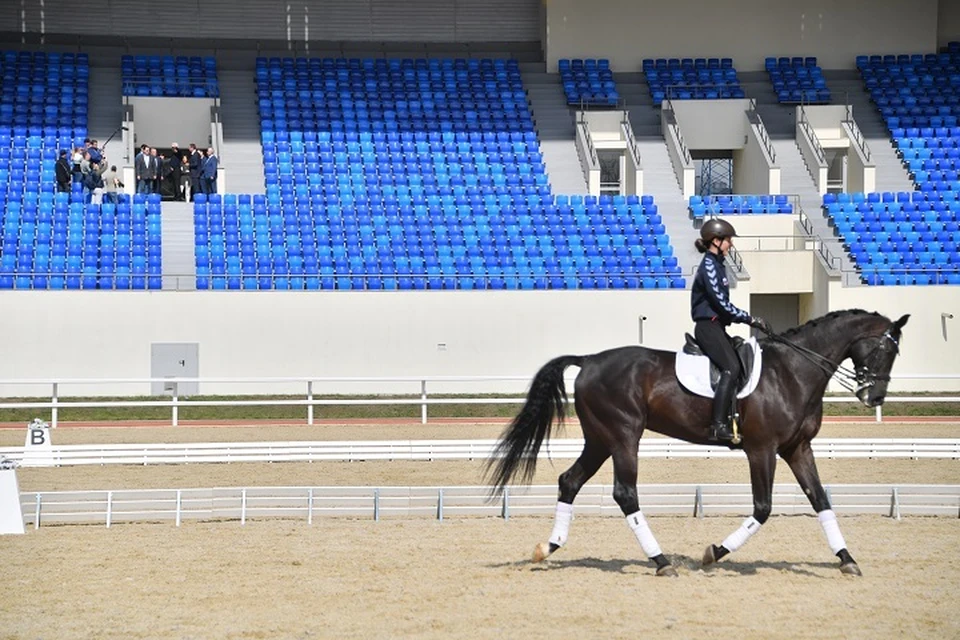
[(814, 140), (672, 90), (671, 118), (754, 116), (858, 137), (161, 80), (631, 140), (583, 105), (582, 123)]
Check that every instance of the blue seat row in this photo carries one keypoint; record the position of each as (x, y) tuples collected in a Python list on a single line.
[(685, 79), (415, 174), (898, 238), (171, 76), (797, 79), (588, 81), (703, 206)]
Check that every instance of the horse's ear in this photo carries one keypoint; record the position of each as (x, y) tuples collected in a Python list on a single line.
[(902, 321)]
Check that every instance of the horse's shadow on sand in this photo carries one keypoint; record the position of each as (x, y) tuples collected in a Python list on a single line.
[(684, 564)]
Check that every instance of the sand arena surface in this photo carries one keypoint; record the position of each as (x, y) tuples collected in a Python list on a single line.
[(470, 577)]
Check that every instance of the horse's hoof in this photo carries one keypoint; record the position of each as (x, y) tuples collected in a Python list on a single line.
[(542, 550), (668, 571), (708, 556), (850, 569)]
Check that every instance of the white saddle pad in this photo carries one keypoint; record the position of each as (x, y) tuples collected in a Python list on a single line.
[(693, 372)]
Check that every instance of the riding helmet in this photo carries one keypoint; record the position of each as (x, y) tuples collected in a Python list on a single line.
[(716, 228)]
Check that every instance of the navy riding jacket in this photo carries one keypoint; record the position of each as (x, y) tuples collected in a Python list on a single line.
[(710, 295)]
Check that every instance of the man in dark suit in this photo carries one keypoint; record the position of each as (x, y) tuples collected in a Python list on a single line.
[(64, 173), (141, 165), (173, 174), (196, 159), (208, 174)]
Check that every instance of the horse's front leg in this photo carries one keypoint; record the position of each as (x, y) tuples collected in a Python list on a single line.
[(762, 466), (804, 467)]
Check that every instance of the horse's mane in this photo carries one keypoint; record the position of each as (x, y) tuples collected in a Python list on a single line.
[(833, 315)]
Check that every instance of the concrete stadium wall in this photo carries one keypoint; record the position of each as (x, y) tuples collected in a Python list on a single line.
[(948, 22), (712, 124), (626, 32), (411, 21), (286, 334), (278, 334)]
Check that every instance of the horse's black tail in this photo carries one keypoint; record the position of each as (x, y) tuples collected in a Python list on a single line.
[(520, 443)]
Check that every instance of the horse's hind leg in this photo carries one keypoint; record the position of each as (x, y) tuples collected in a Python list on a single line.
[(805, 469), (625, 494), (571, 481)]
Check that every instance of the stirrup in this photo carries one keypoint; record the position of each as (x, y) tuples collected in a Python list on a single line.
[(721, 432)]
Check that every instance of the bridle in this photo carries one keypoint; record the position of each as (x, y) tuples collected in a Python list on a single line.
[(853, 380)]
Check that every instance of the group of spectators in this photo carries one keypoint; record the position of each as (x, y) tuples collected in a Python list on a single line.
[(88, 166), (182, 174), (185, 174)]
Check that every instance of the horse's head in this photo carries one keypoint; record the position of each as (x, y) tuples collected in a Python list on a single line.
[(873, 358)]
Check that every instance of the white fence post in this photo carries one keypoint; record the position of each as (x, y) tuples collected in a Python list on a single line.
[(506, 503), (179, 503), (310, 505), (423, 400), (310, 400), (376, 505), (175, 413), (243, 506), (36, 512), (54, 413), (109, 507), (440, 504)]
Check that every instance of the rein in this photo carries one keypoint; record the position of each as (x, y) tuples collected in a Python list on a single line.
[(845, 376), (852, 380)]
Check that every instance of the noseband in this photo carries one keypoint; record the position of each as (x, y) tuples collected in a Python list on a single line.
[(865, 377)]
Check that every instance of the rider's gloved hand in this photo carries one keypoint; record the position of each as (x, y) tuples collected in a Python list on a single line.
[(761, 324)]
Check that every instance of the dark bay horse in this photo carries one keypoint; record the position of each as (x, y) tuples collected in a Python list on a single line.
[(621, 392)]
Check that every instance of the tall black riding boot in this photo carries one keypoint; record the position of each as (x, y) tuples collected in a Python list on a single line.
[(720, 427)]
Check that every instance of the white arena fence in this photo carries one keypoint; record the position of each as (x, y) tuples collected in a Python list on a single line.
[(310, 503), (309, 400), (350, 451)]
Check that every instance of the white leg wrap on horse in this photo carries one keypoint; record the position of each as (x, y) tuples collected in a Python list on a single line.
[(561, 523), (739, 537), (638, 524), (828, 520)]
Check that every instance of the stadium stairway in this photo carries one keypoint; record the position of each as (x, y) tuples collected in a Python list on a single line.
[(106, 110), (176, 246), (795, 178), (242, 154), (660, 181), (635, 93), (779, 120), (847, 86), (659, 177), (554, 122)]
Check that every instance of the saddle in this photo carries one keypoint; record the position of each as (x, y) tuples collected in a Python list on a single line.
[(699, 375)]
